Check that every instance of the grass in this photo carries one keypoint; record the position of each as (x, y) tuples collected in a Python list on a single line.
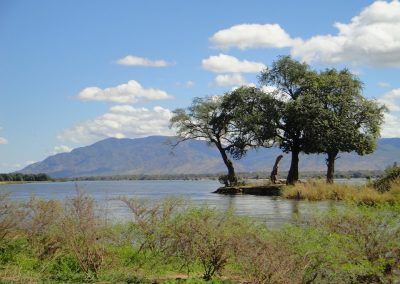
[(172, 242), (361, 194)]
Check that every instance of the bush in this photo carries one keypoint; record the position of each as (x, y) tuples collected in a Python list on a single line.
[(41, 226), (204, 236), (8, 216), (83, 234), (384, 183)]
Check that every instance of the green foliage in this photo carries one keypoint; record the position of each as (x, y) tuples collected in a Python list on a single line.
[(391, 176), (24, 177), (166, 241), (206, 119)]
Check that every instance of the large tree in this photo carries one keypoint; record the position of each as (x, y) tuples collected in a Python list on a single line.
[(254, 116), (289, 81), (206, 119), (346, 121)]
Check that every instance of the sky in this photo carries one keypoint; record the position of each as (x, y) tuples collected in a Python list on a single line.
[(75, 72)]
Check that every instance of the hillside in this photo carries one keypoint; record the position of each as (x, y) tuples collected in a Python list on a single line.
[(154, 155)]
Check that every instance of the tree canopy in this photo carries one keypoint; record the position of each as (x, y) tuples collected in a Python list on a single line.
[(346, 121)]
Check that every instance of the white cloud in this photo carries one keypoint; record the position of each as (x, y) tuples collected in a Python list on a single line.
[(130, 92), (132, 60), (61, 149), (121, 121), (3, 140), (230, 80), (12, 167), (187, 84), (252, 36), (384, 84), (372, 37), (223, 63), (391, 100), (391, 127)]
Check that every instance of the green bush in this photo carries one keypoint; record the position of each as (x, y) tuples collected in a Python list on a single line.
[(384, 183)]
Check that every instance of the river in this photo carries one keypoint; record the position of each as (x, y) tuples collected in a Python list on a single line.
[(274, 211)]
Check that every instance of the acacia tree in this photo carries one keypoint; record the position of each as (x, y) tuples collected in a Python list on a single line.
[(346, 121), (291, 81), (206, 119), (254, 116)]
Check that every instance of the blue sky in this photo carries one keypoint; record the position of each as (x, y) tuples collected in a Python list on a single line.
[(66, 78)]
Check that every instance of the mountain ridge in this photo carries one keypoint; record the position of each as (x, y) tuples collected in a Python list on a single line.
[(155, 155)]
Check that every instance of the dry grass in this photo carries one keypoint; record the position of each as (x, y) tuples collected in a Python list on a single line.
[(362, 194)]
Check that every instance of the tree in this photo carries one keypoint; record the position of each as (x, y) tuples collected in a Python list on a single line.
[(254, 116), (290, 81), (205, 119), (346, 121)]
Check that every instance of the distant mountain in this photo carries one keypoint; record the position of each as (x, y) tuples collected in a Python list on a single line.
[(154, 155)]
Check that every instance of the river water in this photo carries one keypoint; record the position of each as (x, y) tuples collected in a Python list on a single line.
[(274, 211)]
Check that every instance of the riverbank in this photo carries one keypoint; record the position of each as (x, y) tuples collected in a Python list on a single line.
[(252, 189), (170, 241), (316, 190)]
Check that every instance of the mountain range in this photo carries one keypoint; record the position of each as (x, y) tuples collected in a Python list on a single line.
[(154, 155)]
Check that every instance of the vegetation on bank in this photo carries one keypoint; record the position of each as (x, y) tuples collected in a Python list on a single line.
[(241, 176), (385, 189), (363, 194), (47, 241), (296, 108), (18, 177)]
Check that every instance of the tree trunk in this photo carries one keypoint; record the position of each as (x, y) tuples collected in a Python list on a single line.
[(231, 177), (293, 175), (274, 172), (330, 162)]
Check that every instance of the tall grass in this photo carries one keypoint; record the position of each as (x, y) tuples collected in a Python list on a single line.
[(170, 241), (362, 194)]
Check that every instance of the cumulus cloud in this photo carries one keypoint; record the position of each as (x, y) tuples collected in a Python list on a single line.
[(130, 92), (391, 100), (230, 80), (61, 149), (391, 127), (132, 60), (223, 63), (253, 36), (121, 121), (370, 38)]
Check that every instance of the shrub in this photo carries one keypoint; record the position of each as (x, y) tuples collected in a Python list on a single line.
[(84, 234), (9, 216), (384, 183), (41, 225), (205, 236), (263, 259), (149, 221), (374, 237)]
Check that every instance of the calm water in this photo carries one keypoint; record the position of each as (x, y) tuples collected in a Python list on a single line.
[(274, 211)]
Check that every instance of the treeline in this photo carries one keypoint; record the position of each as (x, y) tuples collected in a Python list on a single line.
[(241, 175), (295, 108), (24, 177)]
